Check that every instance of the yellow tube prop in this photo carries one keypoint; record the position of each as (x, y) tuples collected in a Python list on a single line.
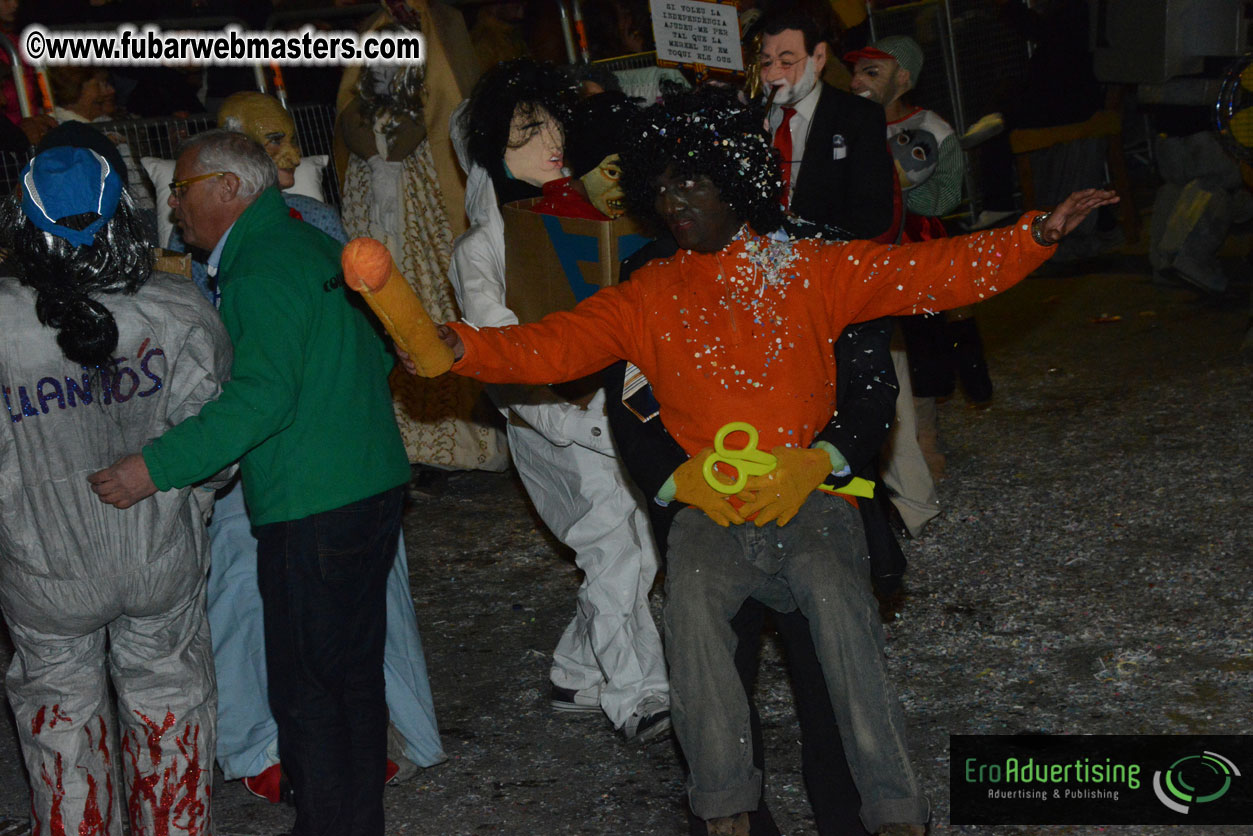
[(369, 270)]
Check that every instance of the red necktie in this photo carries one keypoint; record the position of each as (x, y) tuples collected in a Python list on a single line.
[(783, 141)]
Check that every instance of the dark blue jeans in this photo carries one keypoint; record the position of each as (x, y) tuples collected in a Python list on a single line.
[(322, 579)]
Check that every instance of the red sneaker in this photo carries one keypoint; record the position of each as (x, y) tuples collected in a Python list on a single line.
[(267, 785)]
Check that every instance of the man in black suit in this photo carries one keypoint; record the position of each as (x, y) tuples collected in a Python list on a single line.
[(835, 154)]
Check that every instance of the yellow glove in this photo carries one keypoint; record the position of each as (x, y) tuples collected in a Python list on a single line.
[(781, 492), (369, 270), (691, 488)]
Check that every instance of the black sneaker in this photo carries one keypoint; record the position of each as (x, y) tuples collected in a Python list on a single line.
[(650, 721), (570, 701)]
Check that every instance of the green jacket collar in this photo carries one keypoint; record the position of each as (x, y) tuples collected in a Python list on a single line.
[(267, 210)]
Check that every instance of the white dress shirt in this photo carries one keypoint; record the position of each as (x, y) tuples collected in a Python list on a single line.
[(801, 120)]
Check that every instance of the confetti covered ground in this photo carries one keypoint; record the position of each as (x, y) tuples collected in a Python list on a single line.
[(1091, 573)]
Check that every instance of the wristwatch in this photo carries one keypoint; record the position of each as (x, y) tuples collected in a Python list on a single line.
[(1037, 226)]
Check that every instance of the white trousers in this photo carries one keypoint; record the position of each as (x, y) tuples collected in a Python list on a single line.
[(585, 500), (247, 734), (905, 471)]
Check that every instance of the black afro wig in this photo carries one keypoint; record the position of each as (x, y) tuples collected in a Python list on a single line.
[(707, 132)]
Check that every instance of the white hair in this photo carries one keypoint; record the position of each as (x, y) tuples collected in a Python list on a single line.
[(229, 150)]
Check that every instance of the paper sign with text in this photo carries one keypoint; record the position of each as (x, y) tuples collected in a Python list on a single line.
[(698, 34)]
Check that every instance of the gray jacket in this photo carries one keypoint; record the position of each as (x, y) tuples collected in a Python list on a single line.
[(64, 422)]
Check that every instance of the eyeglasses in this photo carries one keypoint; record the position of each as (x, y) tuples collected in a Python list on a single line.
[(767, 63), (177, 187)]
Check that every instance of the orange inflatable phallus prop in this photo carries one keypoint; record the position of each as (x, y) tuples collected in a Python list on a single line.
[(369, 270)]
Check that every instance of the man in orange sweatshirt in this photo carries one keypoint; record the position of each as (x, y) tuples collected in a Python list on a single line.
[(739, 326)]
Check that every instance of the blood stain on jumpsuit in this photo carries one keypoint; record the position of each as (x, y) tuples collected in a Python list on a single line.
[(93, 823), (37, 724), (179, 805)]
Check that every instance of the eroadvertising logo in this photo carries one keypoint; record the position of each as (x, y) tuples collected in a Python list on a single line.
[(1211, 772), (1100, 779)]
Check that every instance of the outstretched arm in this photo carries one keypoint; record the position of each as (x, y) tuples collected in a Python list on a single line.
[(1065, 219), (865, 281), (606, 327)]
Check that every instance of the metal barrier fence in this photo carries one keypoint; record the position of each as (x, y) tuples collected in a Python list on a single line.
[(638, 61), (160, 137), (969, 52)]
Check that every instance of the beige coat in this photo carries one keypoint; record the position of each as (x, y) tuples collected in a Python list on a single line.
[(451, 71)]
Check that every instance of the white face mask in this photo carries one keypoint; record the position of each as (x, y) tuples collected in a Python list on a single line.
[(533, 153), (789, 95)]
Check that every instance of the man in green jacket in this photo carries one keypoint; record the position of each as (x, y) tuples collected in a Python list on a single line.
[(308, 414)]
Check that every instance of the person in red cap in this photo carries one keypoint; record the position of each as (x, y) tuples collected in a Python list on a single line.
[(930, 170), (924, 146)]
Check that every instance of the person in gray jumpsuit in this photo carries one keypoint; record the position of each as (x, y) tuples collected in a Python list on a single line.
[(98, 354)]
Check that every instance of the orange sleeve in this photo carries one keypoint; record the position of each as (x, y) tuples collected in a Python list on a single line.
[(560, 347), (867, 281)]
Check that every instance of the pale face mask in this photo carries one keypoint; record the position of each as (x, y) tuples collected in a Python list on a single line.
[(266, 122), (877, 79), (790, 94), (534, 152)]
